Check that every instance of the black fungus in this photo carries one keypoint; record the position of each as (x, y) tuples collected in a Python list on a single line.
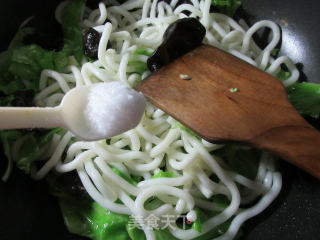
[(23, 98), (90, 41), (180, 37)]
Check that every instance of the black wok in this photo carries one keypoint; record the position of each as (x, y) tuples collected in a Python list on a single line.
[(27, 211)]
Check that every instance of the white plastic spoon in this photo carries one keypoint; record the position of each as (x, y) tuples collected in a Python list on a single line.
[(92, 112)]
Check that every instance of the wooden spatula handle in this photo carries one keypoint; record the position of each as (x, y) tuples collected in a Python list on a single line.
[(299, 145)]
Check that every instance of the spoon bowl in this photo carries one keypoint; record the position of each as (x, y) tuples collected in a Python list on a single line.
[(72, 113)]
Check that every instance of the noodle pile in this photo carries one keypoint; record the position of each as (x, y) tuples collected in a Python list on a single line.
[(156, 144)]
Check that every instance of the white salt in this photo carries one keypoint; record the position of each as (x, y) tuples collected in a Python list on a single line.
[(113, 108)]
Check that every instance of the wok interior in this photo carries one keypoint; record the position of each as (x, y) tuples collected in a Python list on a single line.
[(29, 212)]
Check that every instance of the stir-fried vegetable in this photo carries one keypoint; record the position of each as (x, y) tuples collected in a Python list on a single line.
[(228, 7), (305, 97)]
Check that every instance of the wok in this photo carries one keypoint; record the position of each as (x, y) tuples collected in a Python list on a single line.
[(27, 211)]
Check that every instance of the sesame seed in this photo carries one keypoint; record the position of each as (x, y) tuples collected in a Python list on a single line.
[(233, 90), (185, 77)]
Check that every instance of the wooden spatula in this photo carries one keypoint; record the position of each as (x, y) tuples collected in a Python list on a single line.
[(223, 99)]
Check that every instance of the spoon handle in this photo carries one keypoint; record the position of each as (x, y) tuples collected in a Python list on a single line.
[(299, 145), (30, 117)]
